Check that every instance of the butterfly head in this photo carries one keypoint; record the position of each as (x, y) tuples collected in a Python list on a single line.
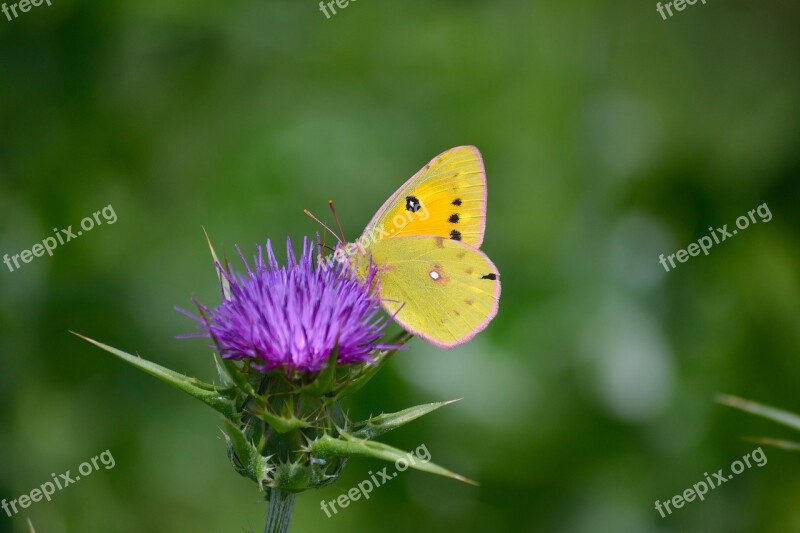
[(355, 257)]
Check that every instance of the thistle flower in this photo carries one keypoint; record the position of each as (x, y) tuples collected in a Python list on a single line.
[(294, 316), (295, 340)]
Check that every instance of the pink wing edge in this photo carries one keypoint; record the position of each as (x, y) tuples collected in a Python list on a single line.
[(393, 197)]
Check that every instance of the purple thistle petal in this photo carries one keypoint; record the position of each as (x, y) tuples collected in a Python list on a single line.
[(293, 317)]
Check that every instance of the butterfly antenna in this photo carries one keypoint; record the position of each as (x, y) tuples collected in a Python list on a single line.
[(336, 218), (318, 221)]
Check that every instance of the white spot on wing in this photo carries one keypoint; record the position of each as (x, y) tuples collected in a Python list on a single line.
[(434, 275)]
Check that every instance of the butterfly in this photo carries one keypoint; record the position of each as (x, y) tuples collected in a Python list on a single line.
[(431, 276)]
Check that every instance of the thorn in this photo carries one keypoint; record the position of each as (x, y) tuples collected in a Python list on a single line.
[(727, 399), (448, 402)]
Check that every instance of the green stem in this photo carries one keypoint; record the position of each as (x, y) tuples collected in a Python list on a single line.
[(279, 515)]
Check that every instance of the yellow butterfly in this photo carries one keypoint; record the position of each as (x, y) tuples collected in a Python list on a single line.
[(424, 240)]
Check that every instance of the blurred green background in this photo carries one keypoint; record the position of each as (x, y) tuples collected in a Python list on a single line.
[(610, 136)]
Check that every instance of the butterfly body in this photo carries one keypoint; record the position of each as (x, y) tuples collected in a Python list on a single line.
[(431, 276)]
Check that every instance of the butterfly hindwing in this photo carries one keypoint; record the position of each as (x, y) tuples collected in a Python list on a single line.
[(442, 290), (446, 198)]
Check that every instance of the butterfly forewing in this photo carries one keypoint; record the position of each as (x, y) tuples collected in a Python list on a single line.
[(446, 198)]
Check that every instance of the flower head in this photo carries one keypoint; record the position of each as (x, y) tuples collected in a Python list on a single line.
[(295, 316)]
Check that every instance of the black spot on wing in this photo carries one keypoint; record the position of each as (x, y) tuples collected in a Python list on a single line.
[(454, 218), (413, 204), (457, 202), (489, 276), (455, 235)]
